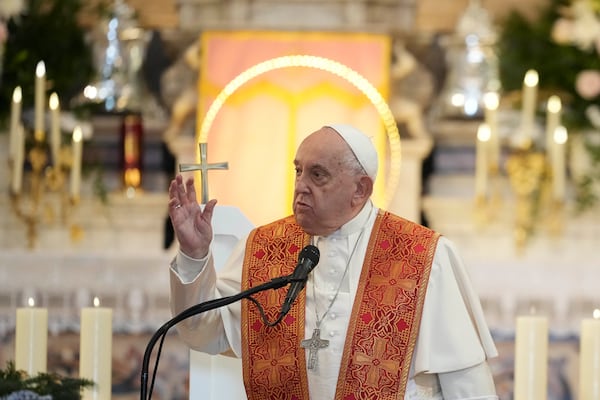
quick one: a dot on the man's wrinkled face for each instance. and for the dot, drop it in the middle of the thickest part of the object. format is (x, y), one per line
(324, 195)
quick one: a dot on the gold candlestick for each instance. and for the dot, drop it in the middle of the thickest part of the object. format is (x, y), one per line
(43, 180)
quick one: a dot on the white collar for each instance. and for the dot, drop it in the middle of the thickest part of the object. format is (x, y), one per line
(354, 225)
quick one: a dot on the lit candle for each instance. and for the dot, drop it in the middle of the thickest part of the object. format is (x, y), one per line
(531, 358)
(31, 340)
(40, 101)
(76, 165)
(491, 102)
(54, 105)
(553, 111)
(481, 160)
(95, 362)
(15, 121)
(589, 358)
(17, 172)
(558, 163)
(530, 83)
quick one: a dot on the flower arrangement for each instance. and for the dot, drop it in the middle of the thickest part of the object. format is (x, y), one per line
(563, 45)
(46, 30)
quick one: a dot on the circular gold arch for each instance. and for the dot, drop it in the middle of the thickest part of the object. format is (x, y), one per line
(336, 68)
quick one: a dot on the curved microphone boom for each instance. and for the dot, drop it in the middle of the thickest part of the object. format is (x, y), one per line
(307, 261)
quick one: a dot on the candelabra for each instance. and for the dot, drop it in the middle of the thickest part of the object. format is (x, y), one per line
(46, 190)
(536, 181)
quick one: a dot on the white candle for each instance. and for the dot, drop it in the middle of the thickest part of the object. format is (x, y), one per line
(54, 105)
(531, 358)
(95, 362)
(589, 358)
(558, 163)
(553, 116)
(17, 172)
(530, 84)
(31, 342)
(482, 160)
(40, 101)
(76, 165)
(491, 102)
(15, 121)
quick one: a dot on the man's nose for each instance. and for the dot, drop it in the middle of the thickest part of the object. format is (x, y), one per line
(300, 185)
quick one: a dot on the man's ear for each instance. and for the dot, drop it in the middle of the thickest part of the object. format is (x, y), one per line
(364, 189)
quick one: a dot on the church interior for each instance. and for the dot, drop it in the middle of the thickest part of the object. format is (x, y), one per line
(485, 114)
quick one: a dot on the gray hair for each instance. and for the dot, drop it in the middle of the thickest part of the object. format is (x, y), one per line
(354, 166)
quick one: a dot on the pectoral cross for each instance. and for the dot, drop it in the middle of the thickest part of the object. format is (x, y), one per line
(203, 167)
(314, 344)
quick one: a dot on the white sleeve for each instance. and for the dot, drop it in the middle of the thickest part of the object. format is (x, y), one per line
(453, 334)
(195, 281)
(473, 383)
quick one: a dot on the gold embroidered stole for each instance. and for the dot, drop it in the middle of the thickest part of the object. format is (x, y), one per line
(273, 365)
(383, 327)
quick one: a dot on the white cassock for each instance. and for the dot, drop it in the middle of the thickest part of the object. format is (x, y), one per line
(454, 342)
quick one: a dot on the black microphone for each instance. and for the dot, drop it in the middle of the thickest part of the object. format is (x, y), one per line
(307, 261)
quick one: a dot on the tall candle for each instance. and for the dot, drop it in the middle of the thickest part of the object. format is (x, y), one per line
(95, 360)
(553, 116)
(481, 160)
(54, 105)
(40, 101)
(17, 172)
(76, 165)
(589, 358)
(15, 121)
(531, 358)
(530, 84)
(491, 102)
(558, 163)
(31, 340)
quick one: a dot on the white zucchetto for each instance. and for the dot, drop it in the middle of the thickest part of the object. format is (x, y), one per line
(361, 145)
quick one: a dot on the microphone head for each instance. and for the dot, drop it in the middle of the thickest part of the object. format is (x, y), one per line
(312, 253)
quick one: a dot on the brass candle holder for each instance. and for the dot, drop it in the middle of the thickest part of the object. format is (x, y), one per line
(43, 180)
(526, 169)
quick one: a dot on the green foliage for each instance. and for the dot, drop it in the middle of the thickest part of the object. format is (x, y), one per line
(48, 31)
(524, 44)
(63, 388)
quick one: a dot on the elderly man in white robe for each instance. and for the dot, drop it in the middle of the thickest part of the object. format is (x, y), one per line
(389, 312)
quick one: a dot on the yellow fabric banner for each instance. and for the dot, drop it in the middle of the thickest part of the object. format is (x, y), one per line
(270, 110)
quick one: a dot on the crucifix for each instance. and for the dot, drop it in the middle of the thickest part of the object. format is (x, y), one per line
(203, 167)
(314, 344)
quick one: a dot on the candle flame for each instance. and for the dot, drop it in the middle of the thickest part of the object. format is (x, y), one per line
(554, 104)
(596, 313)
(484, 133)
(40, 69)
(53, 102)
(560, 135)
(17, 95)
(96, 302)
(531, 78)
(491, 100)
(31, 302)
(77, 134)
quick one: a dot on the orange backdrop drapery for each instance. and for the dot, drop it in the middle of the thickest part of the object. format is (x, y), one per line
(260, 125)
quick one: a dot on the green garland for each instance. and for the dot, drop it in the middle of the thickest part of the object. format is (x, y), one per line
(59, 387)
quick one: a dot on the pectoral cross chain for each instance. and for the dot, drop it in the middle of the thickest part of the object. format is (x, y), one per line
(314, 344)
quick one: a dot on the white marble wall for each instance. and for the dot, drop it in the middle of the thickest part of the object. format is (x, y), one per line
(379, 15)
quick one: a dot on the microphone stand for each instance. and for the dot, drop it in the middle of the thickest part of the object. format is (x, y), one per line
(275, 283)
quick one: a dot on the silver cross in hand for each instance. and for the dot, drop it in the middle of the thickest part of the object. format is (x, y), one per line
(203, 167)
(314, 344)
